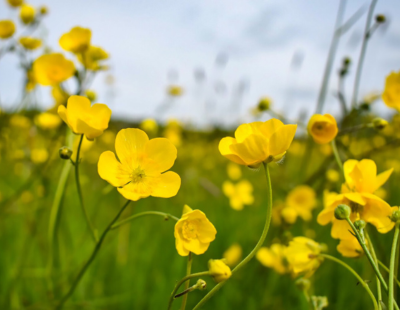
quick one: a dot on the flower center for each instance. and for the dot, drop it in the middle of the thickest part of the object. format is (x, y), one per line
(189, 230)
(137, 175)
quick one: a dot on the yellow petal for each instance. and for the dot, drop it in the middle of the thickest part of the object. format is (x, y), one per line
(377, 212)
(281, 139)
(62, 111)
(130, 145)
(186, 209)
(84, 128)
(111, 170)
(129, 192)
(253, 150)
(228, 188)
(100, 115)
(160, 155)
(348, 167)
(167, 185)
(225, 150)
(245, 130)
(350, 248)
(381, 179)
(269, 127)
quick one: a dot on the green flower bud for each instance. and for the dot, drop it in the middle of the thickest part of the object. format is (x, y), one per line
(342, 212)
(395, 217)
(65, 152)
(201, 285)
(379, 123)
(303, 284)
(264, 104)
(380, 18)
(346, 61)
(360, 224)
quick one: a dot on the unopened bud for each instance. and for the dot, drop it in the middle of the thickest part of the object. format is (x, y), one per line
(395, 217)
(380, 18)
(201, 285)
(303, 284)
(360, 224)
(342, 212)
(379, 123)
(264, 104)
(65, 152)
(346, 61)
(43, 10)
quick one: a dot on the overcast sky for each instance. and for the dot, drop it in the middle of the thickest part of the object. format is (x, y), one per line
(243, 48)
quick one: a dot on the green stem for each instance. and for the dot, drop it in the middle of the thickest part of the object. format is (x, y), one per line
(188, 271)
(131, 218)
(387, 270)
(256, 248)
(365, 285)
(91, 258)
(391, 267)
(378, 283)
(177, 286)
(337, 157)
(78, 186)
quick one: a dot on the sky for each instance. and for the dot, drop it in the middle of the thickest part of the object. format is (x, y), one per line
(225, 54)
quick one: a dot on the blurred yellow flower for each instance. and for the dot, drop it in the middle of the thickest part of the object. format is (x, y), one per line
(219, 270)
(20, 121)
(92, 56)
(322, 128)
(30, 43)
(174, 91)
(233, 254)
(77, 40)
(303, 200)
(39, 156)
(391, 94)
(47, 120)
(43, 10)
(332, 175)
(15, 3)
(51, 69)
(91, 95)
(239, 194)
(60, 97)
(274, 257)
(83, 118)
(264, 104)
(350, 247)
(193, 232)
(7, 29)
(234, 171)
(139, 173)
(150, 126)
(302, 255)
(258, 142)
(289, 215)
(27, 13)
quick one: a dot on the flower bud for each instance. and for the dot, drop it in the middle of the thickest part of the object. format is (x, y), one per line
(303, 284)
(219, 270)
(264, 104)
(43, 10)
(379, 123)
(380, 18)
(360, 224)
(395, 217)
(346, 61)
(65, 152)
(200, 285)
(342, 212)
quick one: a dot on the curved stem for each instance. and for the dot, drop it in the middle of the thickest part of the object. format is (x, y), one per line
(378, 283)
(131, 218)
(387, 270)
(78, 186)
(365, 285)
(188, 277)
(256, 248)
(91, 258)
(188, 271)
(391, 267)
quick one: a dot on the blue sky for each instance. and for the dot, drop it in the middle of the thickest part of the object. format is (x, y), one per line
(155, 43)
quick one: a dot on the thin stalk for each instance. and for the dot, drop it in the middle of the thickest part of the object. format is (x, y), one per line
(91, 258)
(167, 216)
(360, 280)
(177, 286)
(337, 157)
(391, 266)
(256, 248)
(378, 283)
(362, 52)
(78, 187)
(387, 270)
(188, 271)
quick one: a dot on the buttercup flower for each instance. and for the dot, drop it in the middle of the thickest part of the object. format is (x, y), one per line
(52, 69)
(92, 56)
(139, 173)
(193, 232)
(15, 3)
(83, 118)
(233, 171)
(47, 120)
(302, 200)
(323, 128)
(274, 257)
(350, 247)
(77, 40)
(149, 125)
(303, 255)
(233, 254)
(391, 94)
(27, 13)
(7, 29)
(239, 194)
(257, 142)
(30, 43)
(219, 270)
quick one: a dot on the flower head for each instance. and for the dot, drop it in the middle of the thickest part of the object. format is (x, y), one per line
(83, 118)
(219, 270)
(77, 40)
(139, 173)
(149, 125)
(233, 254)
(15, 3)
(51, 69)
(303, 200)
(350, 247)
(239, 194)
(193, 232)
(30, 43)
(274, 257)
(27, 13)
(323, 128)
(7, 29)
(92, 56)
(391, 94)
(258, 142)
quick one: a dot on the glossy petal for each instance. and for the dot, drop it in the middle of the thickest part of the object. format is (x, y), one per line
(160, 155)
(111, 170)
(225, 150)
(167, 185)
(252, 150)
(130, 145)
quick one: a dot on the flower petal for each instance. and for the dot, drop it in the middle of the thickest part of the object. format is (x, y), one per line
(253, 150)
(281, 139)
(111, 170)
(129, 146)
(167, 185)
(225, 150)
(160, 155)
(269, 127)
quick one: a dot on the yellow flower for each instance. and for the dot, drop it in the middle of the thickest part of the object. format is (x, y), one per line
(139, 173)
(391, 94)
(233, 254)
(302, 199)
(323, 128)
(264, 104)
(51, 69)
(30, 43)
(258, 142)
(60, 96)
(219, 270)
(302, 255)
(77, 40)
(15, 3)
(7, 29)
(350, 247)
(193, 232)
(83, 118)
(92, 56)
(239, 194)
(39, 156)
(332, 175)
(149, 125)
(289, 215)
(27, 13)
(175, 91)
(20, 121)
(274, 258)
(234, 171)
(47, 120)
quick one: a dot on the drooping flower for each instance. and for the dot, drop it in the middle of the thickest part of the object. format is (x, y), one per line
(7, 29)
(219, 270)
(139, 171)
(193, 232)
(77, 40)
(92, 57)
(239, 194)
(258, 142)
(30, 43)
(302, 255)
(274, 257)
(233, 254)
(323, 128)
(302, 199)
(52, 69)
(83, 118)
(27, 13)
(391, 94)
